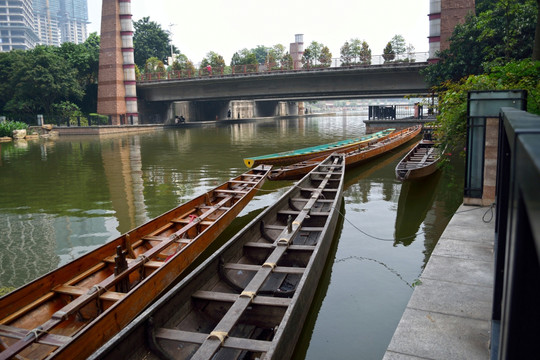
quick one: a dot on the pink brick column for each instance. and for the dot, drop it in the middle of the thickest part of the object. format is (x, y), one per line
(116, 80)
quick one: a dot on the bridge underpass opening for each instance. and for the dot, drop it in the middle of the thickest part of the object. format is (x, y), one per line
(266, 108)
(210, 110)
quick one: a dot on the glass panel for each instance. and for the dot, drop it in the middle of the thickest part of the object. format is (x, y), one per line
(475, 158)
(489, 103)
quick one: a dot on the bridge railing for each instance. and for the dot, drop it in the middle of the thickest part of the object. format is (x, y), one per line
(257, 69)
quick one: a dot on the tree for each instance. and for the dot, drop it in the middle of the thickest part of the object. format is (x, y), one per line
(365, 54)
(9, 61)
(355, 48)
(84, 58)
(451, 123)
(154, 65)
(244, 57)
(67, 111)
(536, 48)
(276, 54)
(346, 54)
(261, 52)
(388, 53)
(398, 45)
(213, 59)
(182, 63)
(410, 53)
(150, 40)
(325, 58)
(287, 61)
(502, 32)
(40, 78)
(89, 101)
(312, 54)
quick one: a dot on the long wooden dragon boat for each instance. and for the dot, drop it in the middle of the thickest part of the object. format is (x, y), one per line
(72, 311)
(251, 297)
(353, 156)
(421, 161)
(294, 156)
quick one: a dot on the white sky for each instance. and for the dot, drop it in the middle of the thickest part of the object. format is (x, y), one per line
(229, 26)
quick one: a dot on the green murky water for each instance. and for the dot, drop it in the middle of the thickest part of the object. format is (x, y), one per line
(61, 198)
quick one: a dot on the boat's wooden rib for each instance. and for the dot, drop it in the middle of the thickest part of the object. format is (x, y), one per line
(46, 339)
(276, 269)
(421, 161)
(72, 311)
(226, 297)
(196, 338)
(294, 156)
(353, 156)
(251, 297)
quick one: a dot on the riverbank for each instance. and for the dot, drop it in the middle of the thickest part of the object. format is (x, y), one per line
(448, 315)
(103, 130)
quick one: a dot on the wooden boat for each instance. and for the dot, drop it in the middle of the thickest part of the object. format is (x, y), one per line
(421, 161)
(251, 297)
(353, 156)
(70, 312)
(294, 156)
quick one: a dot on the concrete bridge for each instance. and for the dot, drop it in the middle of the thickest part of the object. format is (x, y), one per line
(274, 93)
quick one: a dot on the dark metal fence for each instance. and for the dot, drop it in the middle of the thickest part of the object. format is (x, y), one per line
(393, 112)
(516, 303)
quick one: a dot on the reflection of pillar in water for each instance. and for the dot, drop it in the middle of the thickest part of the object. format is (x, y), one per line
(122, 165)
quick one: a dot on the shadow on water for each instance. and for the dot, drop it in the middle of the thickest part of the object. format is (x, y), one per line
(415, 200)
(303, 343)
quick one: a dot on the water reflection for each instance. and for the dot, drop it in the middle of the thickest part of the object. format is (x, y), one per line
(415, 199)
(122, 166)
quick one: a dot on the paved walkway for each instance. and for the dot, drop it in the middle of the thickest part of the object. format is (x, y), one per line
(448, 315)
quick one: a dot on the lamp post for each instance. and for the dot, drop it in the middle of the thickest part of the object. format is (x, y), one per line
(170, 34)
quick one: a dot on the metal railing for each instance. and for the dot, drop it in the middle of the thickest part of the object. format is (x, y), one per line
(516, 311)
(394, 112)
(258, 69)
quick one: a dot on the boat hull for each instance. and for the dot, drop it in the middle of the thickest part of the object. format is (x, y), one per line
(294, 156)
(83, 324)
(353, 156)
(194, 314)
(423, 160)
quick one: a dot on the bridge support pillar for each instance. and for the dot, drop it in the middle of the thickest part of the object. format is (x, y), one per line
(293, 108)
(242, 109)
(283, 108)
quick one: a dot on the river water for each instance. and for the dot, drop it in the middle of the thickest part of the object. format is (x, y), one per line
(62, 198)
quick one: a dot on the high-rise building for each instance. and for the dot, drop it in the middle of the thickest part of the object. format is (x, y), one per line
(26, 23)
(17, 25)
(59, 21)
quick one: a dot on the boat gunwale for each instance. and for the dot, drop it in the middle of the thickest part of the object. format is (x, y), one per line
(290, 156)
(161, 304)
(298, 169)
(205, 235)
(424, 168)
